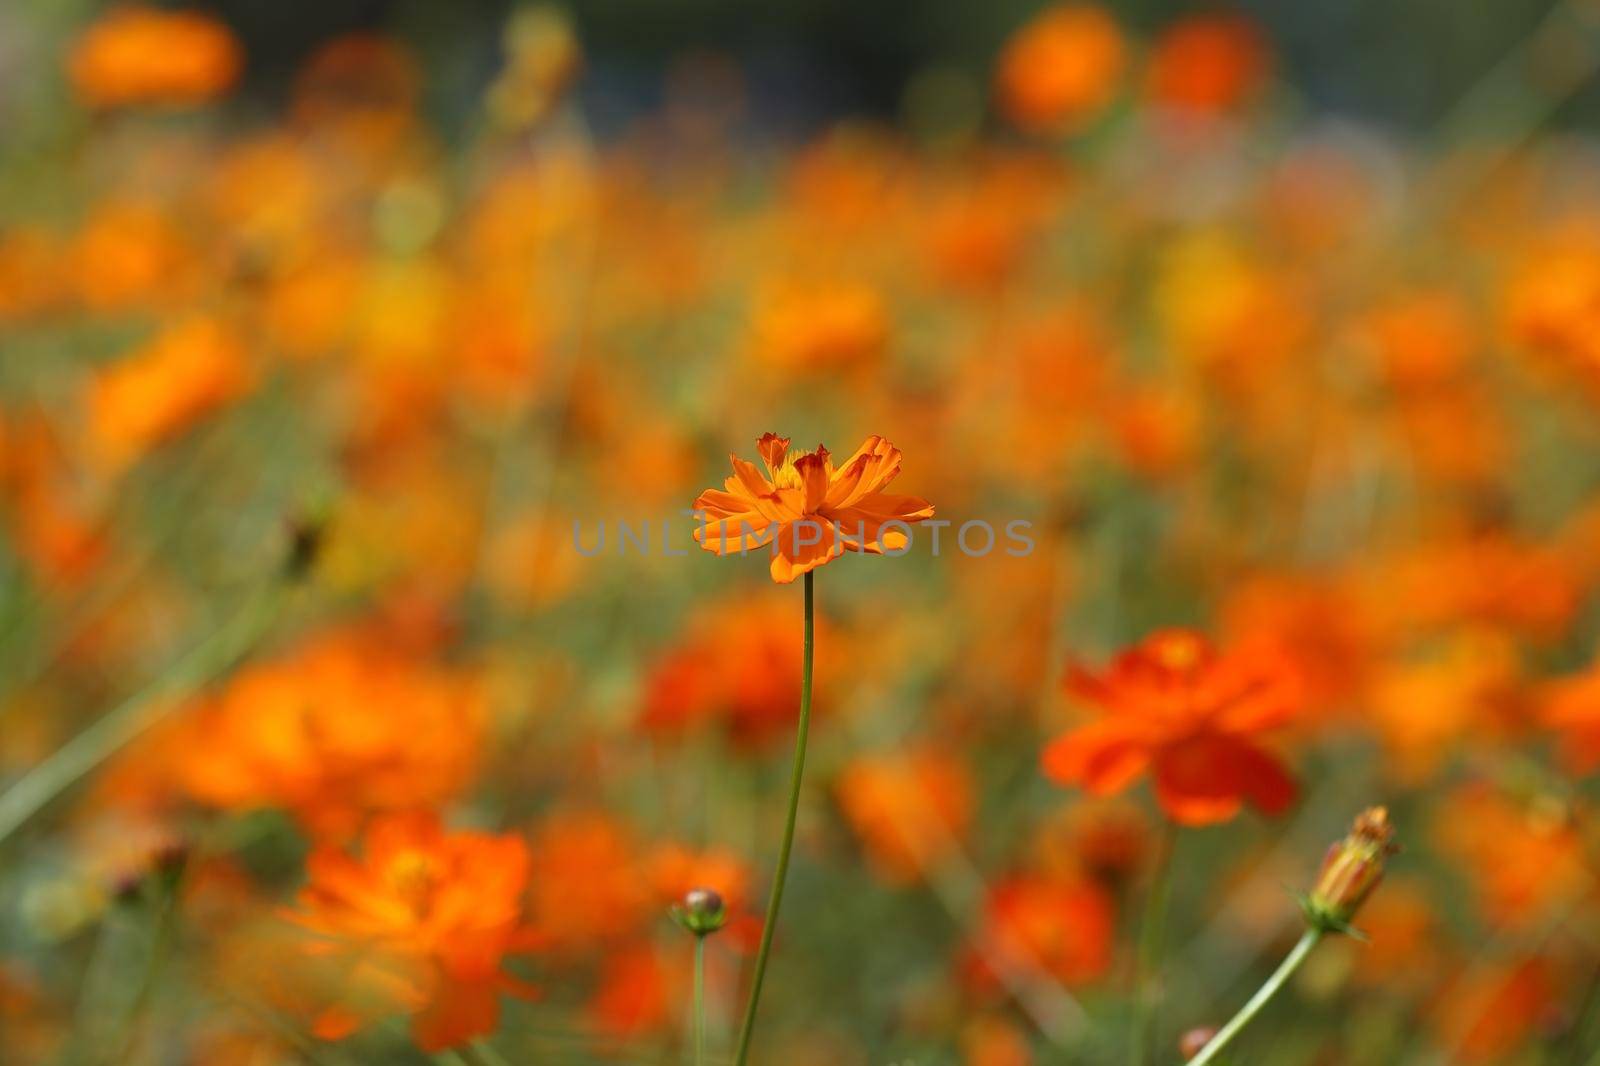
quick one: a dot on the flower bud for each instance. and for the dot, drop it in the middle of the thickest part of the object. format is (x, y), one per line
(1195, 1040)
(1350, 871)
(702, 911)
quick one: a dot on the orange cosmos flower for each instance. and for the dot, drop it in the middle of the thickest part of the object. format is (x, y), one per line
(1208, 63)
(1572, 708)
(1065, 925)
(1176, 706)
(334, 731)
(435, 911)
(1061, 69)
(143, 55)
(907, 808)
(807, 510)
(735, 670)
(188, 371)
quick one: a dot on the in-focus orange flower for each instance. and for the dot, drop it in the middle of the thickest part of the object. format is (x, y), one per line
(144, 55)
(436, 911)
(1177, 707)
(806, 509)
(1208, 63)
(188, 371)
(1060, 70)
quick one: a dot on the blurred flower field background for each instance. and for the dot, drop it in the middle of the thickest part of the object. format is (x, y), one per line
(366, 698)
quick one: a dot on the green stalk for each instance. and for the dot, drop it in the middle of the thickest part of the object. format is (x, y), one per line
(1285, 970)
(485, 1052)
(699, 1001)
(113, 730)
(1152, 927)
(776, 899)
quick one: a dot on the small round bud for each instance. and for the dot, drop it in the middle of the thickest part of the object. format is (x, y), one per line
(1195, 1040)
(307, 534)
(701, 912)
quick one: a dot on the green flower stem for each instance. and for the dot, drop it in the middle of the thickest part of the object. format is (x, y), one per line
(699, 1001)
(776, 899)
(1152, 928)
(207, 660)
(1285, 970)
(484, 1052)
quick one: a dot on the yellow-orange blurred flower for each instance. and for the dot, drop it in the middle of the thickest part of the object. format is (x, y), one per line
(437, 910)
(806, 509)
(1060, 70)
(144, 55)
(820, 328)
(1552, 305)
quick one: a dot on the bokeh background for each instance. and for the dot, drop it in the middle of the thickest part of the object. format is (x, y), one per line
(330, 332)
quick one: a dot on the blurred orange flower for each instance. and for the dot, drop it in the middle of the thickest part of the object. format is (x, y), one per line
(596, 851)
(1572, 709)
(1177, 707)
(188, 371)
(437, 910)
(1208, 63)
(144, 55)
(1065, 925)
(736, 668)
(340, 728)
(129, 254)
(1552, 304)
(1525, 857)
(820, 327)
(908, 808)
(809, 511)
(1061, 70)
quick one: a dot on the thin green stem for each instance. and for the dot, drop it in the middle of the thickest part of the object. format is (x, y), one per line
(117, 727)
(486, 1053)
(1151, 936)
(1285, 970)
(776, 899)
(699, 1001)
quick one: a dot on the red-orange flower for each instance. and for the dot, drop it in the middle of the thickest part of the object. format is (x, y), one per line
(431, 914)
(1067, 926)
(1208, 63)
(1177, 707)
(808, 510)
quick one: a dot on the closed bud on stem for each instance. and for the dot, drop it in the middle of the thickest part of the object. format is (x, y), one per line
(701, 912)
(1195, 1040)
(1350, 871)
